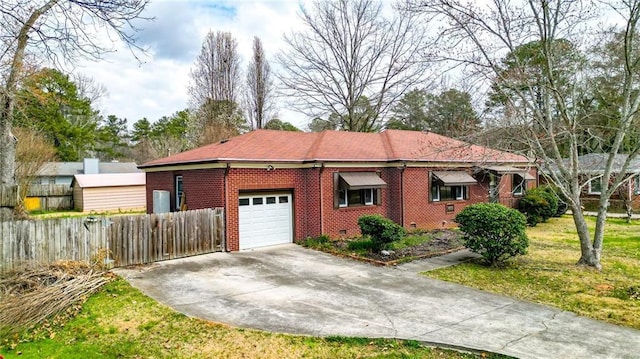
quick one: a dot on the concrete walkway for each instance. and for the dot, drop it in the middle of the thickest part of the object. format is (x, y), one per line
(290, 289)
(609, 214)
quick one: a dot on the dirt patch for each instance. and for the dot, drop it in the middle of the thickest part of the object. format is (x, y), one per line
(442, 241)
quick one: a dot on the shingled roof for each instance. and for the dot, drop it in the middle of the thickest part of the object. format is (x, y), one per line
(338, 146)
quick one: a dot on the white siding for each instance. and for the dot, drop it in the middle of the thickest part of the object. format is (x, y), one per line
(110, 198)
(77, 197)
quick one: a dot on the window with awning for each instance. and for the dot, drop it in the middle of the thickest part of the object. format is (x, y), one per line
(361, 180)
(454, 178)
(450, 185)
(357, 189)
(501, 170)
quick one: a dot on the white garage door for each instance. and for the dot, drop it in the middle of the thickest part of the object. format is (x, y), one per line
(265, 220)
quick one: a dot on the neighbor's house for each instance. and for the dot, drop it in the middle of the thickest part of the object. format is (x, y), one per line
(279, 186)
(63, 172)
(51, 187)
(109, 192)
(591, 169)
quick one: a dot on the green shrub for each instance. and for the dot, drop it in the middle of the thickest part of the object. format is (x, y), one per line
(561, 200)
(539, 204)
(494, 231)
(382, 231)
(552, 197)
(533, 206)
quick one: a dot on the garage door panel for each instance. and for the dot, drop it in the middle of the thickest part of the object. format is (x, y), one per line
(265, 220)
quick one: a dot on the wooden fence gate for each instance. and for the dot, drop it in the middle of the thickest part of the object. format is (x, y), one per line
(117, 240)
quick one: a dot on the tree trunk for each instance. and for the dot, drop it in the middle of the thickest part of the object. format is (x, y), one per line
(590, 254)
(7, 155)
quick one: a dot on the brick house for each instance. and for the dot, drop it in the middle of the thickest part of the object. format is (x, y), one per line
(590, 175)
(279, 186)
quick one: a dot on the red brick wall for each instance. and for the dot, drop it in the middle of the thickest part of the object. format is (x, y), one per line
(336, 220)
(393, 199)
(310, 210)
(505, 188)
(203, 188)
(299, 182)
(161, 181)
(421, 212)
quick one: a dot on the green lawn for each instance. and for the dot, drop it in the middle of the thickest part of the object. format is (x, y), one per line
(72, 213)
(548, 274)
(121, 322)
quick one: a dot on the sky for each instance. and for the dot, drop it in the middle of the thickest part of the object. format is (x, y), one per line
(157, 85)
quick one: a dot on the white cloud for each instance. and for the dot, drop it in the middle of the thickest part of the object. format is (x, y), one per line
(158, 86)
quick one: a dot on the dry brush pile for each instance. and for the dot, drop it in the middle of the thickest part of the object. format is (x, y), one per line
(31, 296)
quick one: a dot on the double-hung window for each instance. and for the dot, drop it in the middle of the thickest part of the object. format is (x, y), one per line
(450, 185)
(595, 185)
(357, 189)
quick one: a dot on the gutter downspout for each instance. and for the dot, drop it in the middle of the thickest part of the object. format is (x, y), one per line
(404, 166)
(226, 208)
(321, 198)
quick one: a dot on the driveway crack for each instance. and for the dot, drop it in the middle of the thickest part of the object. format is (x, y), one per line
(467, 319)
(543, 322)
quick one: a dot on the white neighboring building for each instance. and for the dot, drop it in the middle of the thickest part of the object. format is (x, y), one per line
(109, 192)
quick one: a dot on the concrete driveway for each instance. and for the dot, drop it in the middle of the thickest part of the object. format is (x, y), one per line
(290, 289)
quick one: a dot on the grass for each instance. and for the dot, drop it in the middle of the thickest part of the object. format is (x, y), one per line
(410, 241)
(40, 214)
(548, 274)
(121, 322)
(361, 246)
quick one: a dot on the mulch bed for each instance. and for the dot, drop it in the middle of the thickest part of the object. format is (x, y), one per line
(444, 241)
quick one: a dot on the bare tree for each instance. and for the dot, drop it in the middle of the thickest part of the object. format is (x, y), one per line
(259, 94)
(32, 151)
(88, 88)
(213, 91)
(547, 104)
(59, 31)
(347, 52)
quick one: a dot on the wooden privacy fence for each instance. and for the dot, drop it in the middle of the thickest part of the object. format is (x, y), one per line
(117, 240)
(43, 197)
(8, 196)
(49, 197)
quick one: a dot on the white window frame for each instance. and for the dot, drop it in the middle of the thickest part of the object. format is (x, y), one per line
(179, 179)
(590, 189)
(636, 185)
(344, 201)
(435, 198)
(460, 195)
(343, 195)
(368, 191)
(518, 189)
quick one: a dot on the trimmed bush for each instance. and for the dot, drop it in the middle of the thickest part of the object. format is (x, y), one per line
(494, 231)
(539, 204)
(381, 230)
(533, 206)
